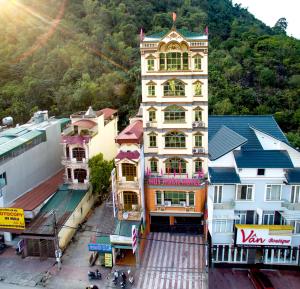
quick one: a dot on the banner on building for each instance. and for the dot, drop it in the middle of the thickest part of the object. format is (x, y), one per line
(264, 235)
(12, 218)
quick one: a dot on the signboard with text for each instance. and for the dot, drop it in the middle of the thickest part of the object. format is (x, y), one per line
(264, 235)
(175, 182)
(108, 260)
(100, 247)
(12, 218)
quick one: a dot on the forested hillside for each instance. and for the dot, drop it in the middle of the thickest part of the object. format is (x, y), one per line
(64, 55)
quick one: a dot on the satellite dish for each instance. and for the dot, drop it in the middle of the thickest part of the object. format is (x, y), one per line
(125, 215)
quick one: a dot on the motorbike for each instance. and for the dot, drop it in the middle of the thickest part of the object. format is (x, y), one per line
(116, 277)
(94, 275)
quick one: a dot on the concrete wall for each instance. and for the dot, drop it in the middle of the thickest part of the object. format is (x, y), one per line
(32, 167)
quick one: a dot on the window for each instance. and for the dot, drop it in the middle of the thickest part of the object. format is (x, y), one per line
(78, 153)
(198, 115)
(174, 114)
(223, 226)
(260, 172)
(244, 192)
(152, 140)
(176, 198)
(162, 61)
(241, 217)
(198, 88)
(152, 115)
(129, 171)
(295, 194)
(175, 165)
(3, 180)
(273, 193)
(158, 198)
(173, 61)
(174, 88)
(175, 140)
(296, 225)
(268, 218)
(198, 140)
(185, 61)
(218, 190)
(130, 198)
(191, 199)
(150, 64)
(151, 90)
(80, 175)
(197, 62)
(198, 166)
(153, 166)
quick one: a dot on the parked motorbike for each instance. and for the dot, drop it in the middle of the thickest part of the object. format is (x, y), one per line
(94, 275)
(115, 277)
(130, 278)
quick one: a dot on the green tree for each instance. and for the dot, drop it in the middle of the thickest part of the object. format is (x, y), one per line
(100, 171)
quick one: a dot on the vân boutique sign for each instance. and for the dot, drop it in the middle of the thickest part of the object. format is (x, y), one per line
(175, 182)
(264, 235)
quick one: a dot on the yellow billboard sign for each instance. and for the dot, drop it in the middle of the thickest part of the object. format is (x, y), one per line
(108, 260)
(12, 218)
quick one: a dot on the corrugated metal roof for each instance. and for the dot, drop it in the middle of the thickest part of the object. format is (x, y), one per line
(224, 141)
(220, 175)
(293, 176)
(20, 140)
(186, 34)
(242, 125)
(263, 159)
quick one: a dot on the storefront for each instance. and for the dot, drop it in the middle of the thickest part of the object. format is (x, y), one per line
(259, 244)
(102, 249)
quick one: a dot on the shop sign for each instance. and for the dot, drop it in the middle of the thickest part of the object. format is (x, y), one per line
(174, 182)
(108, 260)
(12, 218)
(264, 236)
(100, 247)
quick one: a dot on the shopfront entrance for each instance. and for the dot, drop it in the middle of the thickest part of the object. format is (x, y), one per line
(124, 256)
(176, 224)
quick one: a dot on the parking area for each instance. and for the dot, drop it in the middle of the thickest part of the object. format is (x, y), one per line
(173, 261)
(220, 278)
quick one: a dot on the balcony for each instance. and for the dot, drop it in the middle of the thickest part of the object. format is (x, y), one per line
(126, 183)
(225, 205)
(198, 124)
(199, 151)
(69, 161)
(291, 206)
(133, 215)
(151, 124)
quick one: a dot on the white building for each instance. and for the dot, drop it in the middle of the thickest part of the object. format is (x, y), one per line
(90, 133)
(253, 196)
(29, 154)
(174, 101)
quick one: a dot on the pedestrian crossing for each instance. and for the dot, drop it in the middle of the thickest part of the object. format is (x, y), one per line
(173, 261)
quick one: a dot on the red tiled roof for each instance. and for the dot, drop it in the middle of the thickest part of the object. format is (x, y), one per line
(133, 133)
(128, 155)
(85, 123)
(39, 194)
(107, 112)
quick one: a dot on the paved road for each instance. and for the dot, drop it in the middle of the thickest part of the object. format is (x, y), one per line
(173, 263)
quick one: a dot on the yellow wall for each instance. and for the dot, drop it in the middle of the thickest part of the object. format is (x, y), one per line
(65, 234)
(104, 141)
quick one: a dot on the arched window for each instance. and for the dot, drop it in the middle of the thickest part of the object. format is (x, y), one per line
(174, 114)
(197, 62)
(130, 199)
(152, 140)
(152, 114)
(153, 165)
(175, 140)
(198, 140)
(197, 88)
(174, 87)
(129, 171)
(175, 165)
(198, 114)
(80, 175)
(173, 61)
(78, 153)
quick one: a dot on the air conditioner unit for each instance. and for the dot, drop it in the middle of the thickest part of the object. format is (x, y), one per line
(201, 124)
(194, 124)
(194, 151)
(148, 124)
(182, 204)
(168, 203)
(201, 150)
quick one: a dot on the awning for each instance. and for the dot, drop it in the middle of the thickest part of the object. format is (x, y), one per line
(176, 214)
(122, 247)
(101, 244)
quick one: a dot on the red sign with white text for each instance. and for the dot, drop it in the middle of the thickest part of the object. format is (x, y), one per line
(263, 237)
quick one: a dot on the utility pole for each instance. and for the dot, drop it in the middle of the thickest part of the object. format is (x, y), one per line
(56, 241)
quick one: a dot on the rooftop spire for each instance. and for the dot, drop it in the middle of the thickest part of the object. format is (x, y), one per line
(174, 16)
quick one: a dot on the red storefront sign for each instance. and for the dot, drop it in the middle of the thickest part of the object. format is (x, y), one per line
(174, 182)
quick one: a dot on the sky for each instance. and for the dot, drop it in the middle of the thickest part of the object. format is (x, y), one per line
(269, 11)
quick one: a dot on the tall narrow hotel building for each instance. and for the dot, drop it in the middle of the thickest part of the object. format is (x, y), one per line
(175, 117)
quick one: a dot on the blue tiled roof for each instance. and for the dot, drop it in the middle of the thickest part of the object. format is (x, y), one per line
(293, 176)
(224, 141)
(223, 176)
(263, 159)
(242, 125)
